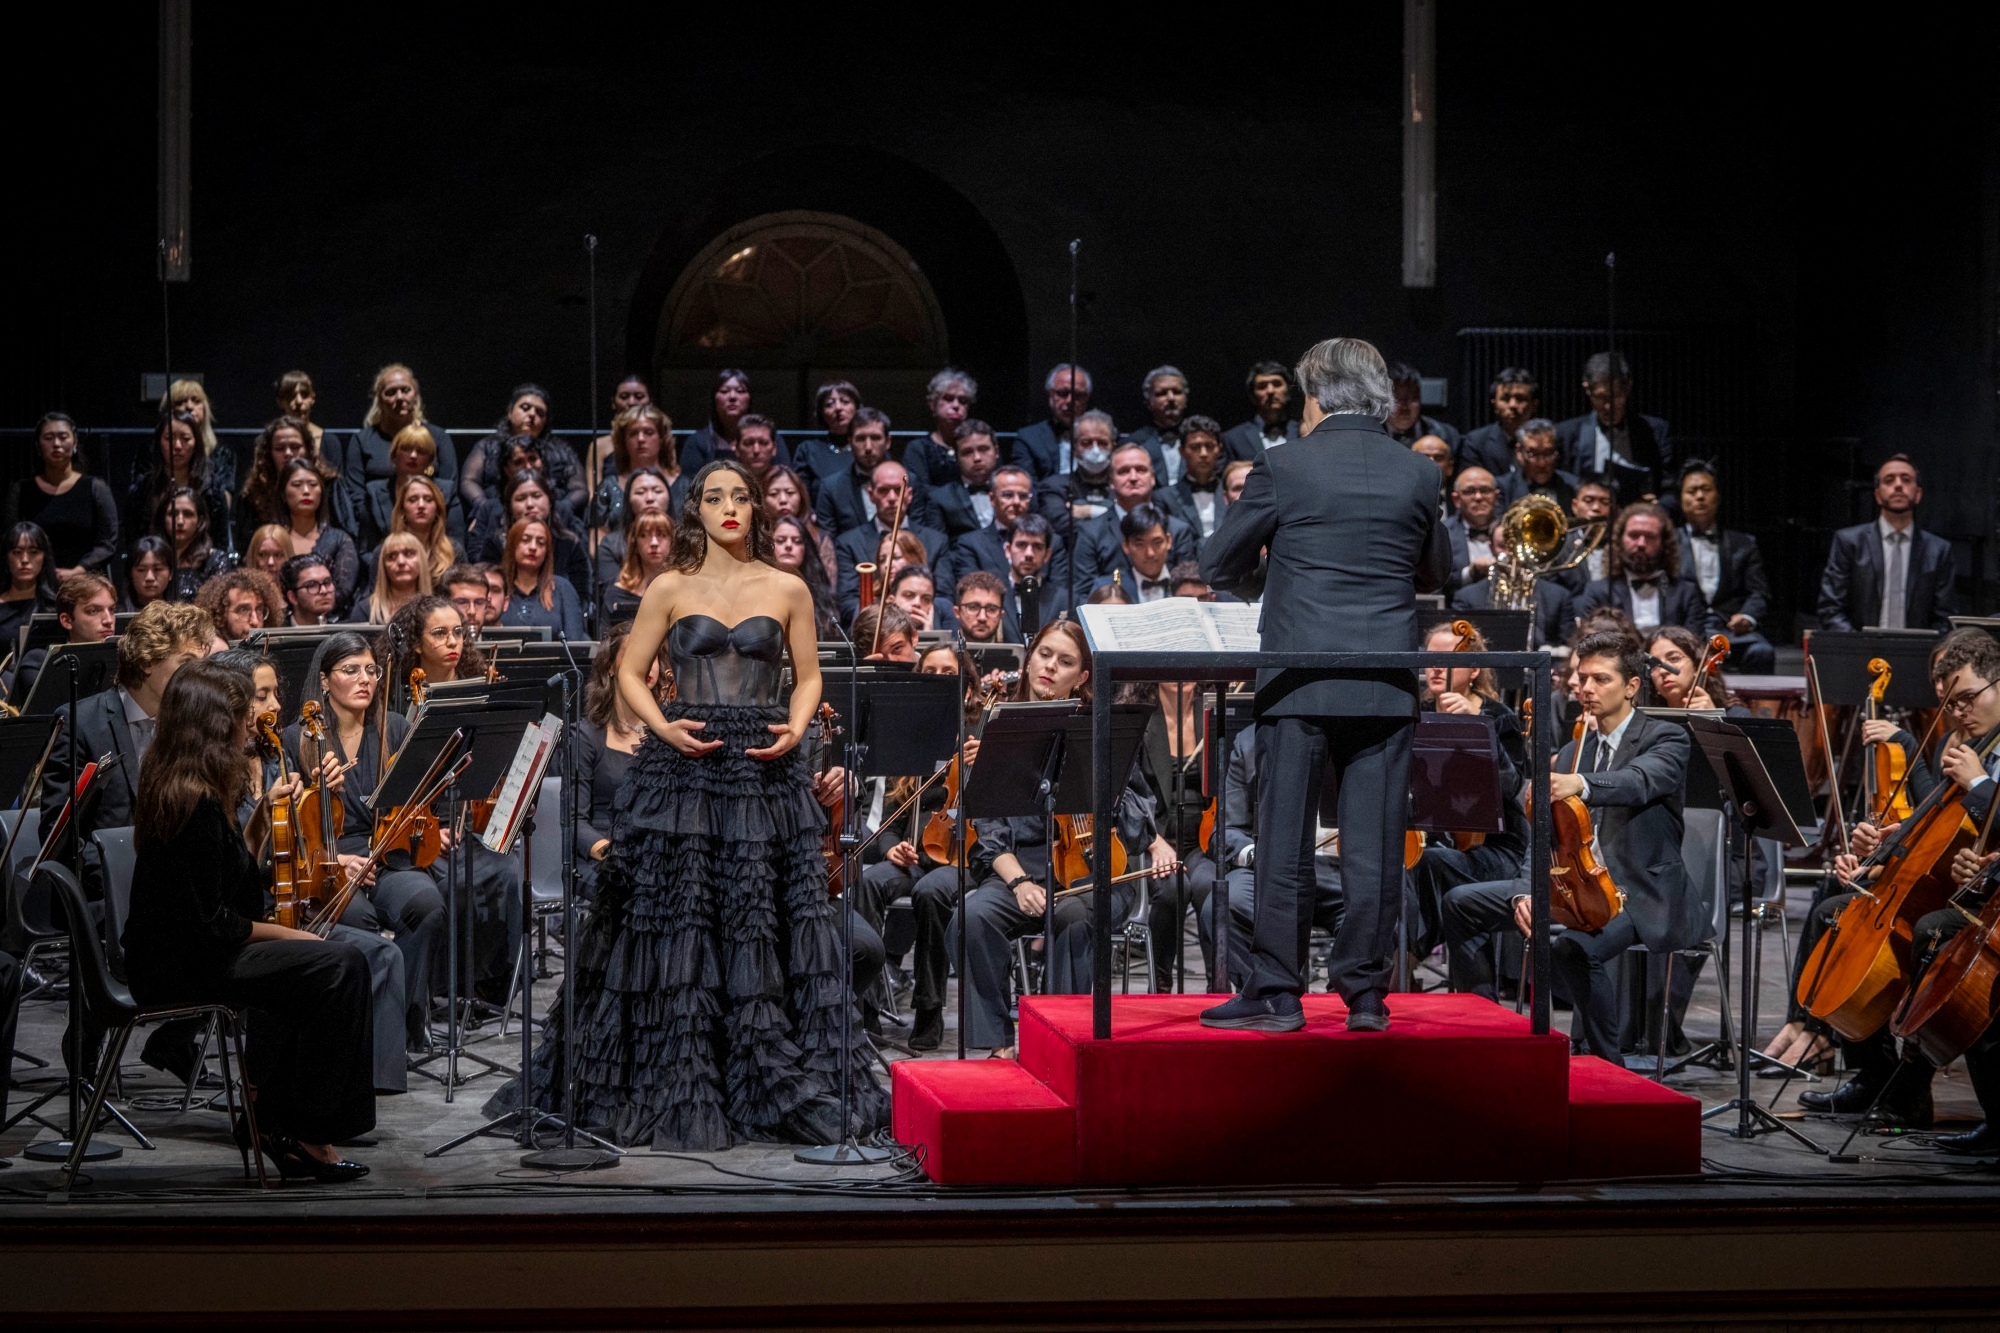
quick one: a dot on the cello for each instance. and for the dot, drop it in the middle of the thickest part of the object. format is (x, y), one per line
(1860, 968)
(1959, 996)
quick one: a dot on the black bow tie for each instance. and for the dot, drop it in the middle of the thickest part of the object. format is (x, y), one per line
(983, 488)
(1655, 580)
(1712, 536)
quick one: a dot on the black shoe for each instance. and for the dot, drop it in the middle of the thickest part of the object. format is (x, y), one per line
(176, 1060)
(1981, 1142)
(927, 1031)
(1368, 1013)
(295, 1163)
(1850, 1098)
(1277, 1013)
(1910, 1107)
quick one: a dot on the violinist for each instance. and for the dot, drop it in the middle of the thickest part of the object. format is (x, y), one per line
(1169, 767)
(1965, 671)
(194, 938)
(345, 682)
(1013, 855)
(606, 741)
(1676, 675)
(429, 633)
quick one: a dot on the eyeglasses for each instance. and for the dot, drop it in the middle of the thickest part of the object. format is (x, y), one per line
(1958, 703)
(358, 671)
(445, 634)
(316, 585)
(979, 608)
(1478, 490)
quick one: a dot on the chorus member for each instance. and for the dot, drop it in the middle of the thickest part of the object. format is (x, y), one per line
(263, 501)
(979, 603)
(268, 549)
(630, 396)
(312, 532)
(528, 498)
(793, 548)
(86, 609)
(1145, 546)
(345, 681)
(1198, 491)
(395, 402)
(787, 496)
(890, 492)
(648, 544)
(31, 582)
(1407, 421)
(1045, 448)
(309, 589)
(1350, 522)
(183, 521)
(610, 735)
(151, 575)
(1012, 893)
(521, 456)
(1271, 423)
(1728, 566)
(961, 500)
(239, 603)
(1592, 503)
(1233, 478)
(836, 406)
(642, 441)
(527, 415)
(1475, 498)
(886, 632)
(421, 512)
(201, 938)
(844, 500)
(1188, 582)
(402, 572)
(1516, 396)
(1554, 618)
(76, 509)
(1084, 492)
(1133, 487)
(728, 404)
(296, 399)
(1633, 452)
(1889, 574)
(1169, 768)
(1535, 470)
(536, 594)
(1643, 575)
(949, 397)
(187, 398)
(175, 461)
(496, 594)
(413, 454)
(1034, 597)
(1013, 491)
(647, 491)
(717, 853)
(1165, 393)
(464, 585)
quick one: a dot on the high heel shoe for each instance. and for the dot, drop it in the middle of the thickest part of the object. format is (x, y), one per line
(295, 1163)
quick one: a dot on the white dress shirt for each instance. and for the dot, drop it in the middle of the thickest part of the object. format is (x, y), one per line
(1707, 548)
(1645, 603)
(1607, 749)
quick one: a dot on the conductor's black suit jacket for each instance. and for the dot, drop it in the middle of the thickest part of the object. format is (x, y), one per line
(1351, 520)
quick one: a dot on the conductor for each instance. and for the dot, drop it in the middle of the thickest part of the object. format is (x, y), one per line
(1350, 521)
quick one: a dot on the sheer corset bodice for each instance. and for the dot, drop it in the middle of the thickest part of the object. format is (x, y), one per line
(739, 665)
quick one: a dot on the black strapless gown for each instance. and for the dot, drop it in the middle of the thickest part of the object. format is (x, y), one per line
(708, 978)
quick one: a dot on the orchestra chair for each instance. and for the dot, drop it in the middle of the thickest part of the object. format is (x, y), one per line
(1705, 853)
(108, 999)
(30, 930)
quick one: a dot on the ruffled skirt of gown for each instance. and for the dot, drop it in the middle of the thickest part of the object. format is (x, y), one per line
(708, 979)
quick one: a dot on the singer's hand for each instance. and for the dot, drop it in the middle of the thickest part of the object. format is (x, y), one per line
(680, 734)
(786, 739)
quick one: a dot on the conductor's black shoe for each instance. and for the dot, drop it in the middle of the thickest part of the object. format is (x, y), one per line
(927, 1031)
(1368, 1013)
(1981, 1142)
(1276, 1013)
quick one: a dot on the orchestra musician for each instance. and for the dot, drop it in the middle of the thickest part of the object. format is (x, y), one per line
(1169, 767)
(609, 735)
(201, 937)
(1933, 932)
(86, 608)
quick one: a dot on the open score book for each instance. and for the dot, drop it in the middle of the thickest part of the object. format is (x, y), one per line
(1173, 625)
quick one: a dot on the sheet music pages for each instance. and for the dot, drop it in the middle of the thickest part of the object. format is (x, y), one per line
(523, 783)
(1173, 625)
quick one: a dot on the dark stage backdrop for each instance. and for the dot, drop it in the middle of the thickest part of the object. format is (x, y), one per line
(374, 184)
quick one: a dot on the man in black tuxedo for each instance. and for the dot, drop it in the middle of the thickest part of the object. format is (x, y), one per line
(1407, 422)
(1165, 393)
(1643, 576)
(1043, 448)
(1591, 503)
(1516, 399)
(1269, 385)
(1350, 520)
(1889, 573)
(1028, 606)
(1534, 467)
(1632, 772)
(889, 491)
(1199, 493)
(1728, 567)
(963, 503)
(1100, 541)
(1142, 563)
(1471, 529)
(1631, 451)
(844, 501)
(1014, 496)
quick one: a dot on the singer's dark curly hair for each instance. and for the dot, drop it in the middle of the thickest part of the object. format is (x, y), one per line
(691, 538)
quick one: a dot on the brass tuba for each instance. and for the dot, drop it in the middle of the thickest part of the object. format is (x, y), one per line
(1535, 539)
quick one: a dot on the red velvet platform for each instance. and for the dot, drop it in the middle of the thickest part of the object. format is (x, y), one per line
(1458, 1089)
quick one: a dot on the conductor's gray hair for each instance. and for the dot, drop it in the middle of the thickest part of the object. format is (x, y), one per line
(1347, 375)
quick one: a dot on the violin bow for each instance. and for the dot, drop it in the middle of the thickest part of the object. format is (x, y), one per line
(1826, 744)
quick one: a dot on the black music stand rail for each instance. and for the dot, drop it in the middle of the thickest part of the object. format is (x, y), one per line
(1219, 669)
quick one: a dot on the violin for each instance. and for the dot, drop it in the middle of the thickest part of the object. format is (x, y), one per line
(939, 830)
(1960, 994)
(1070, 858)
(284, 834)
(1886, 797)
(344, 886)
(1860, 968)
(423, 837)
(318, 820)
(836, 814)
(1581, 894)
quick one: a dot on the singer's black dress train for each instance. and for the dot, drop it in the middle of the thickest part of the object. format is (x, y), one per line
(708, 989)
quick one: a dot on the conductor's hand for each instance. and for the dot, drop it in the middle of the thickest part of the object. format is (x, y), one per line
(903, 855)
(785, 738)
(358, 865)
(1562, 786)
(1031, 897)
(680, 733)
(1524, 914)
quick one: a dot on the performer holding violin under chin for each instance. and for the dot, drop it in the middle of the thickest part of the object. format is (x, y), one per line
(1629, 770)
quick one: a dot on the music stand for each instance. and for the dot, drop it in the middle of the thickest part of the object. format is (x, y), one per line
(1504, 631)
(96, 672)
(996, 656)
(45, 630)
(1746, 781)
(1455, 775)
(1843, 657)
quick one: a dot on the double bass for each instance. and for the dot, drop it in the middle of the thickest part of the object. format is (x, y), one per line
(1959, 997)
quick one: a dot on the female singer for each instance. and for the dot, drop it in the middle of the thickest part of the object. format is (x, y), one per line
(183, 521)
(1011, 898)
(31, 582)
(176, 461)
(402, 572)
(795, 550)
(717, 439)
(646, 492)
(151, 575)
(201, 937)
(398, 403)
(429, 632)
(422, 511)
(527, 418)
(263, 501)
(268, 549)
(536, 594)
(345, 680)
(74, 508)
(648, 542)
(310, 528)
(296, 398)
(708, 975)
(608, 738)
(189, 400)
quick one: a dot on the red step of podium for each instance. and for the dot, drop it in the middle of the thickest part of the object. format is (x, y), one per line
(1458, 1089)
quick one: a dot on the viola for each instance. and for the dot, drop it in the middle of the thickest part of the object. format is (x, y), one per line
(1860, 968)
(318, 820)
(1581, 893)
(836, 814)
(1884, 774)
(284, 834)
(423, 836)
